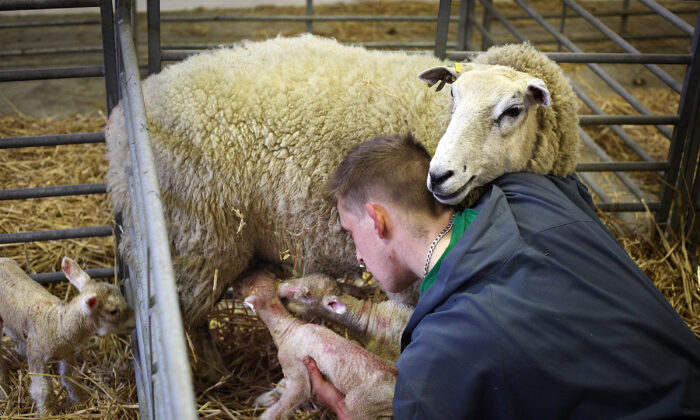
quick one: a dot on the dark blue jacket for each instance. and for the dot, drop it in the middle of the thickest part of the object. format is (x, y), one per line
(538, 313)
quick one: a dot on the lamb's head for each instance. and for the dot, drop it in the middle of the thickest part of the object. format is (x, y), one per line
(493, 128)
(308, 293)
(259, 289)
(101, 302)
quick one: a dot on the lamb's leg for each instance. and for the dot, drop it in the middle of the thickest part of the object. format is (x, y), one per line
(41, 388)
(270, 397)
(65, 369)
(371, 402)
(3, 370)
(298, 391)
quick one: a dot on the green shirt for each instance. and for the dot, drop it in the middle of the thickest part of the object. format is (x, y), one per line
(462, 220)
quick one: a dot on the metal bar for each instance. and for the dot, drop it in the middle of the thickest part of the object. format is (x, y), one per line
(620, 42)
(54, 235)
(304, 18)
(486, 24)
(629, 141)
(493, 11)
(52, 140)
(46, 23)
(53, 191)
(621, 166)
(664, 13)
(627, 207)
(612, 13)
(53, 73)
(441, 31)
(686, 112)
(173, 362)
(309, 12)
(623, 177)
(46, 4)
(59, 277)
(110, 54)
(464, 30)
(562, 24)
(624, 18)
(484, 33)
(42, 51)
(628, 119)
(614, 58)
(614, 85)
(597, 189)
(155, 55)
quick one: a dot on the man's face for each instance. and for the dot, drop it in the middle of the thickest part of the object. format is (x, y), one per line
(374, 251)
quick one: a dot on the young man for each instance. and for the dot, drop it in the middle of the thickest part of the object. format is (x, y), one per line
(532, 310)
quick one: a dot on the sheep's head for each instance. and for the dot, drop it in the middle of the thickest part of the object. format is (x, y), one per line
(493, 127)
(102, 302)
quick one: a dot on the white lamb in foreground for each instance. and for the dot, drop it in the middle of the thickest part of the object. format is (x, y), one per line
(366, 380)
(47, 329)
(244, 139)
(376, 325)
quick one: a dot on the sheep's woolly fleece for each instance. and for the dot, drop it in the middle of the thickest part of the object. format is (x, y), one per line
(245, 137)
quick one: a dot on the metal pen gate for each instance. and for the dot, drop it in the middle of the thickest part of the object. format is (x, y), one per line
(162, 368)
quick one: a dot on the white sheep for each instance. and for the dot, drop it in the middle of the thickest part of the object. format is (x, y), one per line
(376, 325)
(244, 139)
(46, 329)
(501, 122)
(366, 380)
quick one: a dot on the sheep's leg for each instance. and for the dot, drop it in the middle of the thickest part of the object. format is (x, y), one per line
(41, 387)
(271, 397)
(3, 370)
(65, 369)
(298, 390)
(208, 359)
(371, 402)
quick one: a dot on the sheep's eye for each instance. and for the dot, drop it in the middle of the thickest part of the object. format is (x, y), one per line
(511, 112)
(114, 312)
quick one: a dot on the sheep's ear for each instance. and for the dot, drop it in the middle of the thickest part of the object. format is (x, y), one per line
(252, 302)
(334, 305)
(537, 92)
(88, 303)
(75, 274)
(442, 74)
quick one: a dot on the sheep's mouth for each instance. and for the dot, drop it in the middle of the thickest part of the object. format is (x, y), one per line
(449, 197)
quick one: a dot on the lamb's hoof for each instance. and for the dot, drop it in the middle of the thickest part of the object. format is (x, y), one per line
(271, 397)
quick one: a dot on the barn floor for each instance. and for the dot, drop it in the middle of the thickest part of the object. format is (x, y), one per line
(74, 105)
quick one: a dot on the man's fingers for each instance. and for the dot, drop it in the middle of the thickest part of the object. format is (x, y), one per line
(314, 373)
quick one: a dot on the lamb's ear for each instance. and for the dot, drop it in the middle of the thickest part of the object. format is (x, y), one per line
(537, 92)
(442, 74)
(88, 303)
(75, 274)
(252, 302)
(334, 305)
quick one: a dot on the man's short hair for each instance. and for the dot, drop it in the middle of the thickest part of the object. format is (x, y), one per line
(393, 167)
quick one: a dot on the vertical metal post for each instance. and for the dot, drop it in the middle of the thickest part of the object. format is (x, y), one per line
(154, 47)
(683, 132)
(624, 17)
(309, 12)
(110, 54)
(443, 24)
(486, 23)
(562, 25)
(464, 32)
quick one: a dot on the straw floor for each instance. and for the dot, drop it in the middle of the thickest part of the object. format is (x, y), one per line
(105, 364)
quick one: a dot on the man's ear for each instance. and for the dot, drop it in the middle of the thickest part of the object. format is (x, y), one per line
(378, 216)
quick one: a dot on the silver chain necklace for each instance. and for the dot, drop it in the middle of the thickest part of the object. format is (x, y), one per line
(435, 242)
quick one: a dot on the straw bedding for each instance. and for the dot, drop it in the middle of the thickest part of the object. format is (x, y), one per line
(251, 363)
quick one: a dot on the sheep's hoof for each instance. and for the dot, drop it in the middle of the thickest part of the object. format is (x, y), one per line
(268, 398)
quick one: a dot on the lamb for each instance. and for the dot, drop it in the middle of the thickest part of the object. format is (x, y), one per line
(366, 380)
(46, 329)
(377, 325)
(244, 138)
(501, 121)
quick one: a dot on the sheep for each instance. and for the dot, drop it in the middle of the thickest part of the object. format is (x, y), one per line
(378, 325)
(366, 380)
(244, 138)
(46, 329)
(502, 121)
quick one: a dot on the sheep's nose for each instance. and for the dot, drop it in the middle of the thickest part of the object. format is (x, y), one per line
(437, 179)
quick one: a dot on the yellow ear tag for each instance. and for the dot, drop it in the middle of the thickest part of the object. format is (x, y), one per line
(458, 68)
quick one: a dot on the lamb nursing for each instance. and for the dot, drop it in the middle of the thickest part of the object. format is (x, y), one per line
(245, 137)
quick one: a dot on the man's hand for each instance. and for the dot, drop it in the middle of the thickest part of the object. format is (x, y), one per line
(325, 391)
